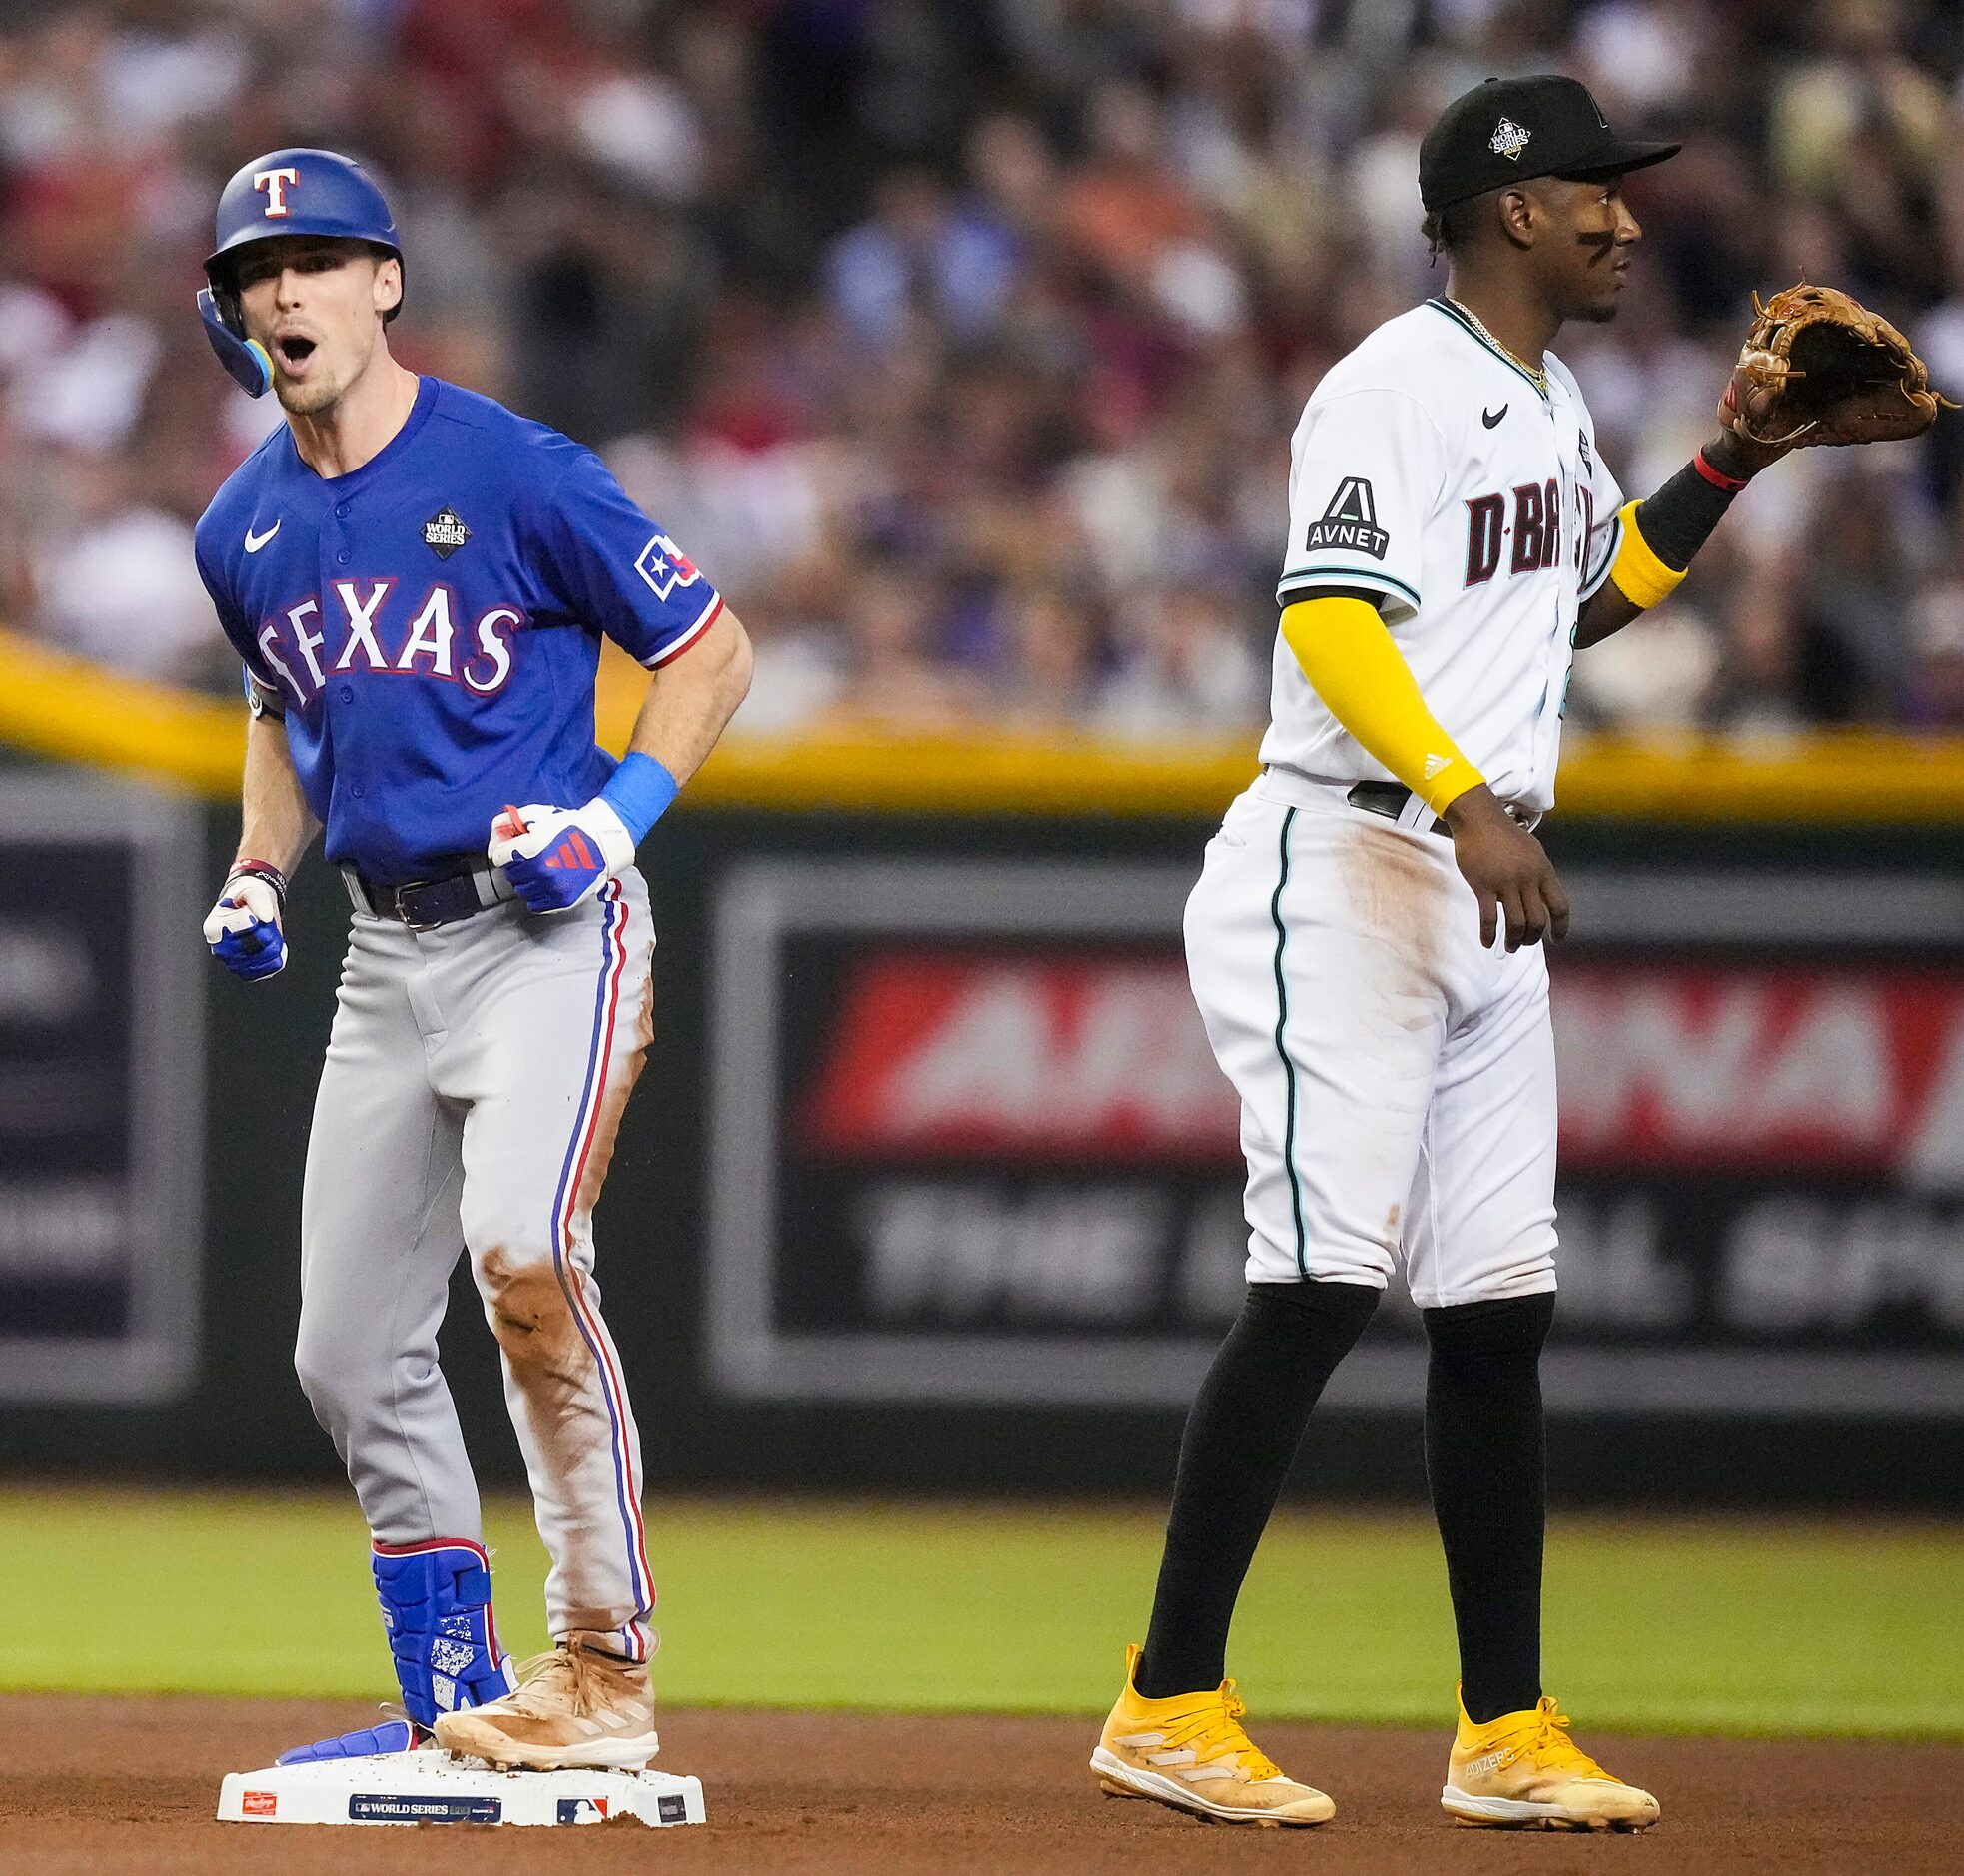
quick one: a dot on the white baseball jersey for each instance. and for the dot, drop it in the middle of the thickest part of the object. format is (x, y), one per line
(1432, 472)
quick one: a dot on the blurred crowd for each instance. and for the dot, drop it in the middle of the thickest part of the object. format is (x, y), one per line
(960, 341)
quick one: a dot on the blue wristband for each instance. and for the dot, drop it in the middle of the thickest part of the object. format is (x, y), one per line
(639, 793)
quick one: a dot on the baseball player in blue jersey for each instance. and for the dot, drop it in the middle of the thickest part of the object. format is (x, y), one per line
(418, 582)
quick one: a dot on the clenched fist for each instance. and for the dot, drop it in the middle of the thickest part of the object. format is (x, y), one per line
(557, 858)
(244, 927)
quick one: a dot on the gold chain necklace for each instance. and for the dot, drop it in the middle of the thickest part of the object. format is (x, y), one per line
(1539, 374)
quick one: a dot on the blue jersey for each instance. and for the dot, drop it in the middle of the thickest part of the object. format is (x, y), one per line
(429, 625)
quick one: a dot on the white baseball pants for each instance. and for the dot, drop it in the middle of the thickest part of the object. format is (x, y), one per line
(1397, 1080)
(473, 1082)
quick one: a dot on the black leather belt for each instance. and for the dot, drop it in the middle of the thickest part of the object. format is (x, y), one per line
(1389, 799)
(424, 904)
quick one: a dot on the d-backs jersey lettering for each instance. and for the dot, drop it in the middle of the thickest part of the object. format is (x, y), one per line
(1433, 472)
(429, 625)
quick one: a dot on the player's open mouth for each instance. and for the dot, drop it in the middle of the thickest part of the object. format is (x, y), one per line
(293, 350)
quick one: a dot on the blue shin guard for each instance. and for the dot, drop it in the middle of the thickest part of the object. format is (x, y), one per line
(396, 1735)
(436, 1608)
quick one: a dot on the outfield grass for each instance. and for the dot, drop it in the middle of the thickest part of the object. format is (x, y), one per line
(1722, 1625)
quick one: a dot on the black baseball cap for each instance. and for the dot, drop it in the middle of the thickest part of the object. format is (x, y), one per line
(1510, 129)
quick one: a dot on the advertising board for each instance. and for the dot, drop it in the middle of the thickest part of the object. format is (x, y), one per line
(101, 1079)
(969, 1145)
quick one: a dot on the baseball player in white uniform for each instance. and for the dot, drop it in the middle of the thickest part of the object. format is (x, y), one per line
(1365, 945)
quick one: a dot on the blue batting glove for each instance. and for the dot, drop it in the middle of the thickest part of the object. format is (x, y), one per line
(557, 858)
(242, 928)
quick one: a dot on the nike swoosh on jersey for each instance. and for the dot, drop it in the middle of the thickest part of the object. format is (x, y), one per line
(256, 542)
(1490, 418)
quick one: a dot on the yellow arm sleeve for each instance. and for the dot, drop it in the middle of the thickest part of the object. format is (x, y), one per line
(1350, 659)
(1638, 573)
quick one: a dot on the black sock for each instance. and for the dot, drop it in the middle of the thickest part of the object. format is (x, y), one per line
(1487, 1459)
(1242, 1434)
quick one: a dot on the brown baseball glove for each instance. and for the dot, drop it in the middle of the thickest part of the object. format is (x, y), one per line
(1819, 368)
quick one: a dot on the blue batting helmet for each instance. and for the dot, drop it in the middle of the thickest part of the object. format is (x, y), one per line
(286, 192)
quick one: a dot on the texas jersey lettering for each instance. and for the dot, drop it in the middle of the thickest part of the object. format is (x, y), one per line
(429, 625)
(1432, 473)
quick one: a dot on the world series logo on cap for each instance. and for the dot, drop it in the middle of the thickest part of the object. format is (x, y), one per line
(1508, 139)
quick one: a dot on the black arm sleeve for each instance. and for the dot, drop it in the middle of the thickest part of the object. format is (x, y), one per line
(1678, 521)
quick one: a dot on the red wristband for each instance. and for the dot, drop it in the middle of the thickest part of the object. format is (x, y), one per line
(260, 869)
(1718, 479)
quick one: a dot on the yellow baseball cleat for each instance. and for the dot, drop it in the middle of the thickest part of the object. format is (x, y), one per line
(1189, 1751)
(1522, 1772)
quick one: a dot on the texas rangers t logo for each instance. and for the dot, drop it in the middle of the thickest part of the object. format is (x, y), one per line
(274, 182)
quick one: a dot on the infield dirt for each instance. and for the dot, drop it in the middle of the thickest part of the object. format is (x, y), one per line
(100, 1786)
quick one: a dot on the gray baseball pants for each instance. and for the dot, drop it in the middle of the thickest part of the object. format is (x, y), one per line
(473, 1084)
